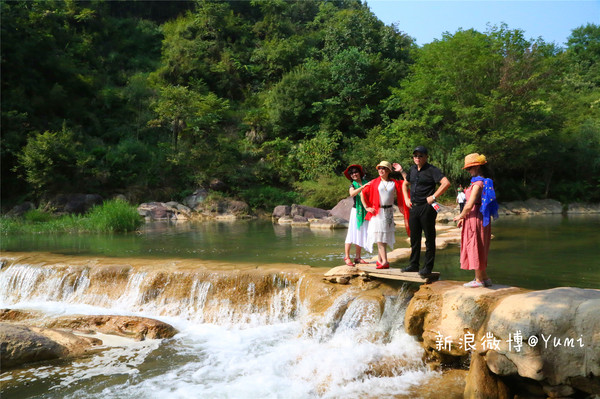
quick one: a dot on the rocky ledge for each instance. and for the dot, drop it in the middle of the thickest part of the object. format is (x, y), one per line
(518, 342)
(28, 337)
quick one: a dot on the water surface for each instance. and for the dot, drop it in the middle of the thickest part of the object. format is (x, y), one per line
(534, 252)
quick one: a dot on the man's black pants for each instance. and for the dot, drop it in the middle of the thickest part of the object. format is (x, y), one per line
(422, 220)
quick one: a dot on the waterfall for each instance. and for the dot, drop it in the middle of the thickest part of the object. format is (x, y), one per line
(244, 331)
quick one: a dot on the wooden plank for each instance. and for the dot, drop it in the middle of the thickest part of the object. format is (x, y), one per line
(398, 274)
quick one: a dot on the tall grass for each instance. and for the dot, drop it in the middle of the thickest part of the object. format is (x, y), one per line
(112, 216)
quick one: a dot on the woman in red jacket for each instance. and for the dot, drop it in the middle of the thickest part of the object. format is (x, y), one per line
(379, 198)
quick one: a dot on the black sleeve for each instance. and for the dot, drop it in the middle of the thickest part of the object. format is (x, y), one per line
(437, 174)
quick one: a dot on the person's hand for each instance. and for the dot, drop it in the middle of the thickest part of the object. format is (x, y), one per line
(459, 221)
(369, 209)
(397, 167)
(408, 203)
(430, 200)
(367, 183)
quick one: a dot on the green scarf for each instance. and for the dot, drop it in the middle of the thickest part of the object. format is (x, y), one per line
(361, 212)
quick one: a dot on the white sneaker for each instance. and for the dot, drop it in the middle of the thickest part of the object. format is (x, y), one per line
(473, 284)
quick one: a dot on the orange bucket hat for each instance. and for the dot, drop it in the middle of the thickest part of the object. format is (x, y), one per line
(474, 159)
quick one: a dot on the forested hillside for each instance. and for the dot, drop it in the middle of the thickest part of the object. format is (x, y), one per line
(152, 99)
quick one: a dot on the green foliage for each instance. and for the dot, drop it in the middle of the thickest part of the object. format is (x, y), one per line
(316, 156)
(113, 216)
(324, 192)
(36, 216)
(50, 160)
(268, 197)
(162, 97)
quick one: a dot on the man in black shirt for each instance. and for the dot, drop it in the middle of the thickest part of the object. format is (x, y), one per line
(423, 179)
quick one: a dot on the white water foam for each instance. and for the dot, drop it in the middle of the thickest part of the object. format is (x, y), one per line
(354, 350)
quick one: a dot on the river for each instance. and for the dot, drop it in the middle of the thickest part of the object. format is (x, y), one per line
(251, 322)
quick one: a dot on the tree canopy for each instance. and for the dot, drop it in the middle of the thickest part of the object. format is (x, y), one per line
(157, 98)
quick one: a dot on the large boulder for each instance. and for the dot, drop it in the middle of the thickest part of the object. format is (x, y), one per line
(308, 212)
(154, 211)
(564, 322)
(343, 208)
(547, 341)
(20, 210)
(72, 203)
(21, 344)
(281, 211)
(196, 198)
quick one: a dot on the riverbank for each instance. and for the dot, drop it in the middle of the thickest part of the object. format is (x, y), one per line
(251, 294)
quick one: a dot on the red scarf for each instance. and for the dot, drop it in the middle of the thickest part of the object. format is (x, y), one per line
(371, 196)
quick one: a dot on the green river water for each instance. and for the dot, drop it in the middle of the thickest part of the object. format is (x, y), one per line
(534, 252)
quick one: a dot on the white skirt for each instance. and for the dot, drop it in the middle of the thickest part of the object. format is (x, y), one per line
(382, 228)
(356, 236)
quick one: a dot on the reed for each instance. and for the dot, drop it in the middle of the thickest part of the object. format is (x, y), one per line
(111, 216)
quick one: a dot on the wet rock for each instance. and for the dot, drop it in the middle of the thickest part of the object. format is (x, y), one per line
(330, 222)
(281, 211)
(14, 315)
(135, 327)
(308, 212)
(481, 383)
(22, 344)
(153, 210)
(300, 221)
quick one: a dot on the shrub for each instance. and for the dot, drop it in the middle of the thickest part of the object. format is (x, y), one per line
(114, 215)
(324, 193)
(37, 216)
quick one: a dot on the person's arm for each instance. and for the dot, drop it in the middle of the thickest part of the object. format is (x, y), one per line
(444, 185)
(407, 200)
(362, 199)
(353, 191)
(398, 168)
(475, 194)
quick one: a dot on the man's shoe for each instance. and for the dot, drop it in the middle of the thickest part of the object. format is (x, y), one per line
(410, 269)
(487, 282)
(424, 272)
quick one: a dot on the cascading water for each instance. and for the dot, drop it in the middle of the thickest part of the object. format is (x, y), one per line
(242, 333)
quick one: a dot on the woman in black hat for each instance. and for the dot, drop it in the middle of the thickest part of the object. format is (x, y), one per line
(357, 227)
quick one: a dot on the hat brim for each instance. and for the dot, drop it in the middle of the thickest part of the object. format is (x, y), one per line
(474, 164)
(347, 171)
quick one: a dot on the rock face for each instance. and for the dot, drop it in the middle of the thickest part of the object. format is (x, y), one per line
(138, 328)
(307, 216)
(21, 344)
(25, 343)
(559, 346)
(343, 208)
(73, 203)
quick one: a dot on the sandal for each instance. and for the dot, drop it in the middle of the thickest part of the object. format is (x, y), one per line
(386, 265)
(473, 284)
(348, 262)
(361, 261)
